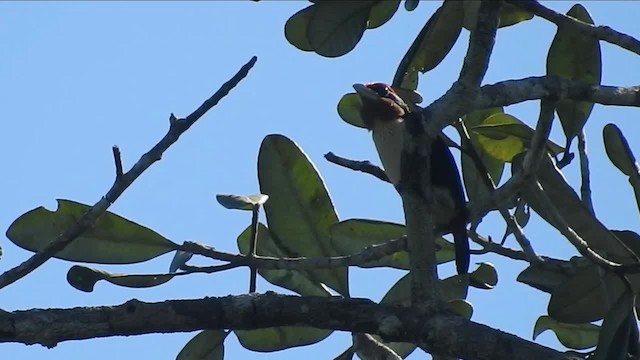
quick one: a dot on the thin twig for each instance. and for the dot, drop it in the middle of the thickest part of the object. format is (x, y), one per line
(604, 33)
(585, 188)
(253, 245)
(117, 159)
(176, 129)
(368, 254)
(362, 166)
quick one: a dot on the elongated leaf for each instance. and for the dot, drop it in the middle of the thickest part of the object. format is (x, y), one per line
(575, 56)
(573, 336)
(85, 278)
(509, 14)
(280, 338)
(622, 157)
(206, 345)
(300, 212)
(335, 28)
(613, 343)
(111, 240)
(432, 44)
(543, 279)
(577, 216)
(353, 235)
(301, 282)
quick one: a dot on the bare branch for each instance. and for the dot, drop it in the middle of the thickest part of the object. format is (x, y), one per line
(440, 332)
(585, 188)
(117, 159)
(362, 166)
(176, 129)
(368, 254)
(599, 32)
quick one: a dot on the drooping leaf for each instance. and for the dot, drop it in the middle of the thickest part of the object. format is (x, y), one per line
(85, 278)
(432, 44)
(462, 307)
(241, 202)
(295, 29)
(280, 338)
(301, 282)
(575, 56)
(473, 178)
(300, 212)
(335, 28)
(583, 297)
(111, 240)
(179, 260)
(353, 235)
(206, 345)
(573, 336)
(382, 12)
(622, 157)
(613, 343)
(484, 277)
(504, 136)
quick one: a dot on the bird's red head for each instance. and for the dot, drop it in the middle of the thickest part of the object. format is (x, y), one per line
(380, 103)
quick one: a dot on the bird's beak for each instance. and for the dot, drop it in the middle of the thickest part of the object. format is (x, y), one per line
(365, 93)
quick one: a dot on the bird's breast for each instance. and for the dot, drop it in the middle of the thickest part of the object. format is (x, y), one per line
(388, 138)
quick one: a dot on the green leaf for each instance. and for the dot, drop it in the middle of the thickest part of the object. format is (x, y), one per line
(241, 202)
(462, 307)
(411, 5)
(349, 109)
(335, 28)
(295, 29)
(301, 282)
(613, 343)
(583, 297)
(504, 136)
(382, 12)
(573, 336)
(431, 46)
(575, 56)
(353, 235)
(300, 212)
(545, 280)
(111, 240)
(622, 157)
(509, 14)
(85, 278)
(206, 345)
(473, 179)
(280, 338)
(484, 277)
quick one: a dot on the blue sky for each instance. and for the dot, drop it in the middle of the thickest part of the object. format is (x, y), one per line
(77, 78)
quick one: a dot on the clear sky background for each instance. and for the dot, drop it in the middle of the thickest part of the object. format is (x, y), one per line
(79, 77)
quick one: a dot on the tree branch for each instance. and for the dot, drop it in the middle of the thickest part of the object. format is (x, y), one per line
(599, 32)
(442, 332)
(362, 166)
(177, 127)
(585, 174)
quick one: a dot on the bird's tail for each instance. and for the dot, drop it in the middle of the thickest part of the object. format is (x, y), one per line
(461, 244)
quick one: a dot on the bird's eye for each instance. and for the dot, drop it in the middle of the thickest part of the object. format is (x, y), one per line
(382, 91)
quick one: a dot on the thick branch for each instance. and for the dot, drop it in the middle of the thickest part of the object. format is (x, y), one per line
(599, 32)
(511, 92)
(177, 128)
(442, 332)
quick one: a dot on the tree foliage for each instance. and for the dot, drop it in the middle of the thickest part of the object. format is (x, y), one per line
(306, 248)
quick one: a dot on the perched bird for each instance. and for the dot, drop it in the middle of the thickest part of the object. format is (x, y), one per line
(383, 113)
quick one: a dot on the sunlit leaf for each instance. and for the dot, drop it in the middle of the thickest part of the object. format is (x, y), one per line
(300, 212)
(349, 109)
(241, 202)
(111, 240)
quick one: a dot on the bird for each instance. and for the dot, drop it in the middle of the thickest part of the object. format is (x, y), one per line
(383, 112)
